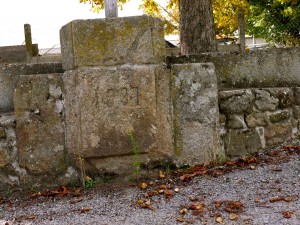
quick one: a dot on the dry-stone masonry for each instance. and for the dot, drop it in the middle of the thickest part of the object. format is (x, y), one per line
(253, 119)
(60, 122)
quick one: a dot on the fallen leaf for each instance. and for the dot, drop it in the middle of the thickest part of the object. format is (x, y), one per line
(187, 176)
(219, 220)
(287, 214)
(161, 174)
(183, 211)
(75, 201)
(161, 191)
(168, 192)
(143, 185)
(151, 182)
(180, 219)
(252, 167)
(163, 186)
(177, 190)
(233, 216)
(197, 212)
(277, 169)
(234, 207)
(85, 210)
(140, 202)
(281, 198)
(193, 198)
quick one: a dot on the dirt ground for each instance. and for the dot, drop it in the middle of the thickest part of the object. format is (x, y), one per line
(259, 189)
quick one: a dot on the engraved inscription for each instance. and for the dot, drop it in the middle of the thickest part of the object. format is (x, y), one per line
(121, 97)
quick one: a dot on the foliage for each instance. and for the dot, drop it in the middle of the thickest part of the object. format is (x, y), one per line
(275, 20)
(225, 14)
(168, 13)
(89, 182)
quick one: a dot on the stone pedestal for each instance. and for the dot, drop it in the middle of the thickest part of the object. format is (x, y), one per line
(115, 83)
(196, 113)
(112, 41)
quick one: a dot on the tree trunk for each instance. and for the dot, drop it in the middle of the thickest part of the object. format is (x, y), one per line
(197, 32)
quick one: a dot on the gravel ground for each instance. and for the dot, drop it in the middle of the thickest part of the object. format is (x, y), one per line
(265, 191)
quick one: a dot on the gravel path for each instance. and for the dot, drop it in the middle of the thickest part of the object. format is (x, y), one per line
(261, 193)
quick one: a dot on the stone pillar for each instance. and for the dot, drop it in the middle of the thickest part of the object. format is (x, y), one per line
(28, 42)
(115, 83)
(196, 113)
(38, 102)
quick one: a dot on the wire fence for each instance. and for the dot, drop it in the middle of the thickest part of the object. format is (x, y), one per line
(270, 24)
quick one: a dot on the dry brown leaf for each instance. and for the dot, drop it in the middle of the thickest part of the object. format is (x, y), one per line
(233, 216)
(163, 186)
(161, 174)
(219, 220)
(180, 219)
(287, 214)
(143, 185)
(281, 198)
(85, 210)
(183, 211)
(252, 167)
(193, 198)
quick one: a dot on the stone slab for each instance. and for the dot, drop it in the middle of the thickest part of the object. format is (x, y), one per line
(242, 142)
(39, 104)
(9, 74)
(16, 53)
(196, 113)
(112, 41)
(104, 103)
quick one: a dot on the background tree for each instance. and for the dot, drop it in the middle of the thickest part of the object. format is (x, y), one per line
(276, 21)
(197, 32)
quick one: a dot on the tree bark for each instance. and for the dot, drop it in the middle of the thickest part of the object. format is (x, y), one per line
(197, 32)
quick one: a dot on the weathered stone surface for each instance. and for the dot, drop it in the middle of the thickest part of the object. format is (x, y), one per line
(277, 133)
(124, 165)
(236, 122)
(285, 96)
(196, 113)
(237, 102)
(40, 129)
(242, 142)
(296, 112)
(297, 95)
(112, 41)
(280, 116)
(16, 53)
(264, 101)
(9, 74)
(276, 67)
(4, 157)
(256, 119)
(222, 119)
(2, 133)
(104, 103)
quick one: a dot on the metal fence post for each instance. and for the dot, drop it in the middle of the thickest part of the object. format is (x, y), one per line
(111, 8)
(28, 42)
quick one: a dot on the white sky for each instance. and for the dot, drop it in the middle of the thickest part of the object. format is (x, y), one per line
(46, 17)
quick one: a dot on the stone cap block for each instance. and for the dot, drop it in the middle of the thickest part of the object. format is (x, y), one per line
(112, 41)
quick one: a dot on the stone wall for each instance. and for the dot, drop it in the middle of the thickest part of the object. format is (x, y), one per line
(276, 67)
(65, 124)
(255, 119)
(9, 74)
